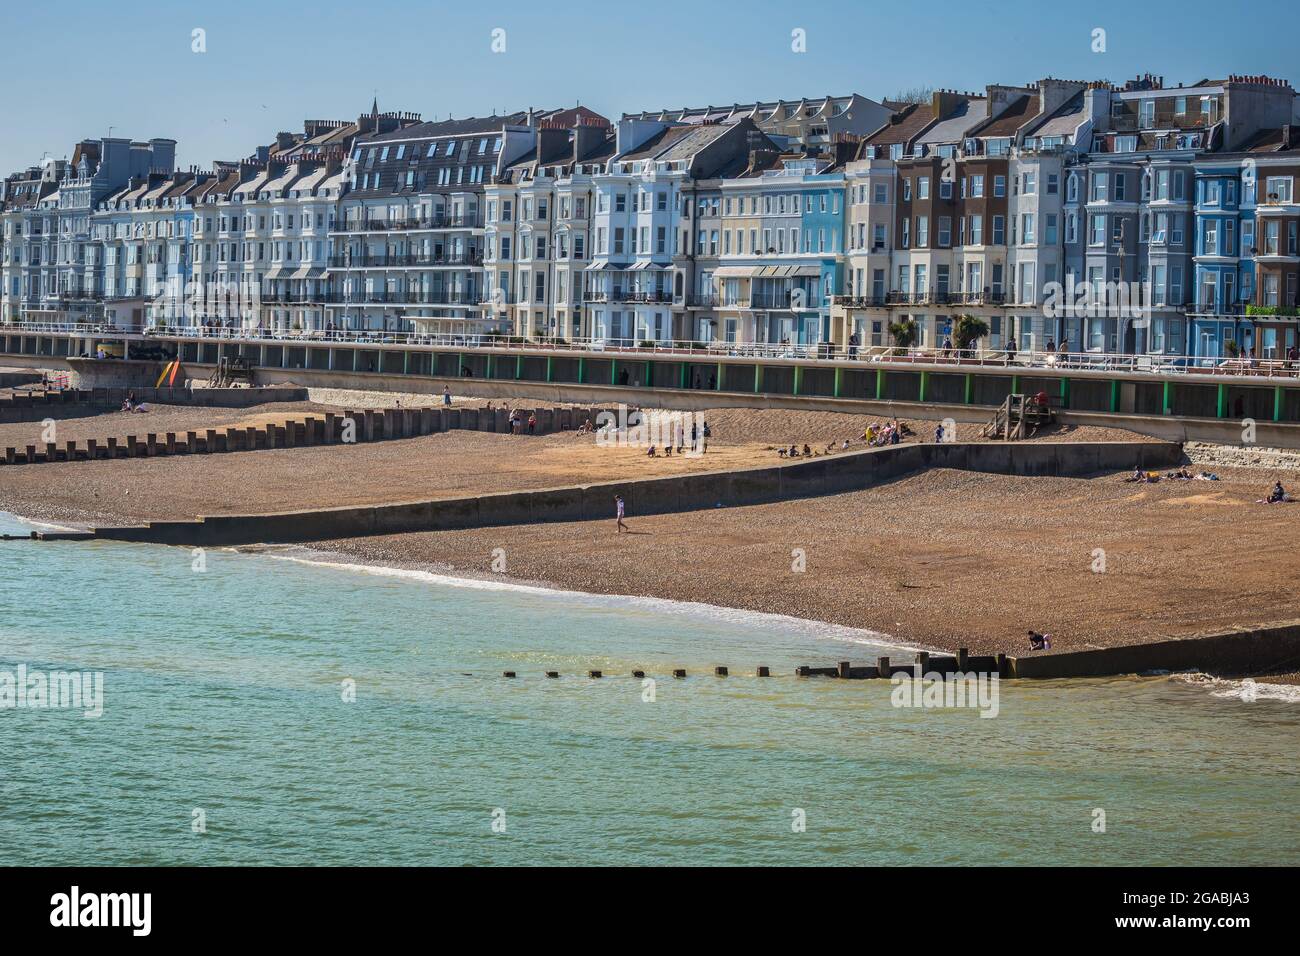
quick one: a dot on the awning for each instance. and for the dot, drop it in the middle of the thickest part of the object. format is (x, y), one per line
(275, 273)
(736, 272)
(308, 272)
(598, 265)
(806, 271)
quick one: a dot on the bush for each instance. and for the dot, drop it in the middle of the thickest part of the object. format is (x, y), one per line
(904, 333)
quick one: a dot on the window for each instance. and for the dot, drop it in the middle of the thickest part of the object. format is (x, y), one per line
(977, 230)
(977, 186)
(1097, 231)
(923, 187)
(881, 193)
(1099, 184)
(1027, 228)
(945, 231)
(999, 230)
(1277, 190)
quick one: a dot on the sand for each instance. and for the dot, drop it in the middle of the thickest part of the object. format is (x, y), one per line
(946, 559)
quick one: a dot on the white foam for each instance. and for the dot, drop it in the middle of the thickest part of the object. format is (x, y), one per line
(736, 616)
(33, 523)
(1246, 690)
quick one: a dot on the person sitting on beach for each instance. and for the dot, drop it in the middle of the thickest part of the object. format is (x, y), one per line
(869, 435)
(807, 451)
(794, 452)
(780, 453)
(651, 452)
(845, 446)
(126, 405)
(1138, 475)
(1278, 494)
(1039, 642)
(668, 451)
(586, 428)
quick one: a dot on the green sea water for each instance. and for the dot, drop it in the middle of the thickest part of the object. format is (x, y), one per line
(224, 701)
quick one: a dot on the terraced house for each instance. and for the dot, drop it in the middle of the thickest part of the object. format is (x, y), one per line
(410, 230)
(47, 215)
(537, 234)
(656, 222)
(1085, 216)
(782, 247)
(1131, 198)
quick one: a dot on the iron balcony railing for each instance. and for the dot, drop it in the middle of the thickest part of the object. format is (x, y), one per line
(459, 221)
(626, 295)
(410, 259)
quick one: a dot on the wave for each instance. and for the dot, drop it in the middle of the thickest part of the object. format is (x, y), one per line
(726, 615)
(1245, 689)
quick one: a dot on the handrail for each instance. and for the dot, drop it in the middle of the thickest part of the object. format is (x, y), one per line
(1018, 363)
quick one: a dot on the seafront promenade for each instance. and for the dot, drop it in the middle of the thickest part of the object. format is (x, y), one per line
(1171, 400)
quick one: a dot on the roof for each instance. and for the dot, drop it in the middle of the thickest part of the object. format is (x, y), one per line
(471, 126)
(903, 127)
(1064, 121)
(1011, 119)
(953, 128)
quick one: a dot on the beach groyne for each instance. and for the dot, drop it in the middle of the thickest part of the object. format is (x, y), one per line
(1239, 652)
(830, 474)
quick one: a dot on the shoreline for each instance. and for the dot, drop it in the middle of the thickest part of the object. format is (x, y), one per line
(1283, 686)
(449, 576)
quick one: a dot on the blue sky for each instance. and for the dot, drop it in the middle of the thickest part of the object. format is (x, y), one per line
(77, 68)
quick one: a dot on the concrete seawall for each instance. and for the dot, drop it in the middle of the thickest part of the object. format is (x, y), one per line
(788, 481)
(77, 403)
(1239, 652)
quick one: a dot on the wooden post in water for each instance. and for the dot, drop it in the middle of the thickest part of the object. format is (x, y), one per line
(882, 667)
(764, 671)
(845, 669)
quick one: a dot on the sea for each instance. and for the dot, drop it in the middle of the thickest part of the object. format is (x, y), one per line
(283, 706)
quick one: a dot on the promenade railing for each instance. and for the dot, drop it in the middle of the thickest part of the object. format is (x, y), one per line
(1018, 362)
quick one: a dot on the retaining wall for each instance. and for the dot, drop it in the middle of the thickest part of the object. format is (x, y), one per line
(1239, 652)
(788, 481)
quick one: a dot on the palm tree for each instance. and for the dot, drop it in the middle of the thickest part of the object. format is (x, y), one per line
(904, 333)
(970, 329)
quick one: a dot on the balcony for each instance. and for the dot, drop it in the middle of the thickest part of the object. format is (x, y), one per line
(859, 301)
(404, 261)
(624, 295)
(461, 221)
(438, 297)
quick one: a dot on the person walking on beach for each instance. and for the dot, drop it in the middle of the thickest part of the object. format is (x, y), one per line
(620, 511)
(446, 395)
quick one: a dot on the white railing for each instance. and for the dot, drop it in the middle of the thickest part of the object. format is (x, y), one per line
(1019, 362)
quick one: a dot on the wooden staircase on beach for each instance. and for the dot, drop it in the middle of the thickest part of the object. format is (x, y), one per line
(1019, 417)
(232, 369)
